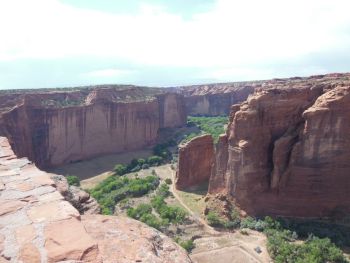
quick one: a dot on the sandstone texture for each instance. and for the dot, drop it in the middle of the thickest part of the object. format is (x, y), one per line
(80, 199)
(62, 126)
(287, 148)
(216, 99)
(196, 159)
(38, 225)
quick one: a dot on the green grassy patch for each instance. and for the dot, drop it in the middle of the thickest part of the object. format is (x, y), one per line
(210, 125)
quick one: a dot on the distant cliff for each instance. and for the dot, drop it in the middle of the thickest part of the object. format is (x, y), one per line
(215, 99)
(56, 127)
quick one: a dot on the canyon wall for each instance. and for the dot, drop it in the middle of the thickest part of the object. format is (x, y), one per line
(38, 225)
(215, 99)
(287, 149)
(60, 127)
(196, 159)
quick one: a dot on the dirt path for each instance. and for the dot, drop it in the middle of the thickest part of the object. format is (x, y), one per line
(208, 228)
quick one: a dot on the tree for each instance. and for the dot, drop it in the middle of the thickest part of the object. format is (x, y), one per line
(73, 180)
(120, 169)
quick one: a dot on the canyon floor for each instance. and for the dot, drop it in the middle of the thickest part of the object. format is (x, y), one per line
(210, 245)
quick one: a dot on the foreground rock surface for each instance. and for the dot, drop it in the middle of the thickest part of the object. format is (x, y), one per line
(287, 148)
(38, 225)
(196, 159)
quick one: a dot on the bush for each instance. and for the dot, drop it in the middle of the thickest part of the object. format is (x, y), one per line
(139, 211)
(214, 219)
(73, 180)
(114, 189)
(187, 244)
(143, 213)
(163, 190)
(168, 181)
(145, 166)
(314, 250)
(120, 169)
(154, 160)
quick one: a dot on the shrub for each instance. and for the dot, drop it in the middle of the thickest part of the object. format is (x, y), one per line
(145, 166)
(168, 181)
(114, 189)
(141, 162)
(154, 160)
(187, 244)
(214, 219)
(139, 211)
(120, 169)
(73, 180)
(163, 190)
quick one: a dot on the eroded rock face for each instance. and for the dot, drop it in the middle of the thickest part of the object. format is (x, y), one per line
(287, 150)
(80, 199)
(38, 225)
(216, 99)
(61, 127)
(196, 160)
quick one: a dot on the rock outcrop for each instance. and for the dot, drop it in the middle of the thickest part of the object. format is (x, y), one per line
(38, 225)
(52, 128)
(196, 159)
(287, 148)
(80, 199)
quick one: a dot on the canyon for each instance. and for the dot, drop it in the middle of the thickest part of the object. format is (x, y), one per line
(286, 150)
(56, 127)
(285, 153)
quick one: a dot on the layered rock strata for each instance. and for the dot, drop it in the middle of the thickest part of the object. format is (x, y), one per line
(216, 99)
(52, 128)
(38, 225)
(287, 148)
(196, 159)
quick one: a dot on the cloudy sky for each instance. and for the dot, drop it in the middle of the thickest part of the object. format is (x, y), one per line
(59, 43)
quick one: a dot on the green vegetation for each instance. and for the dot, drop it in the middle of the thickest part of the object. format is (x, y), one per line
(209, 125)
(158, 214)
(316, 241)
(73, 180)
(188, 245)
(161, 155)
(168, 181)
(114, 189)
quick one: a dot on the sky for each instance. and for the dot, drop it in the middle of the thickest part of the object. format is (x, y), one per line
(64, 43)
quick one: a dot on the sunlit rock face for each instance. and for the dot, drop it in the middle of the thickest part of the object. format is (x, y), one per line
(196, 160)
(56, 127)
(286, 149)
(37, 224)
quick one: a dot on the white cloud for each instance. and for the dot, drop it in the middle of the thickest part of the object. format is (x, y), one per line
(107, 73)
(232, 35)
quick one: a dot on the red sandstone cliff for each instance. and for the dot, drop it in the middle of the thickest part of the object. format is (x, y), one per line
(60, 127)
(287, 148)
(196, 159)
(216, 99)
